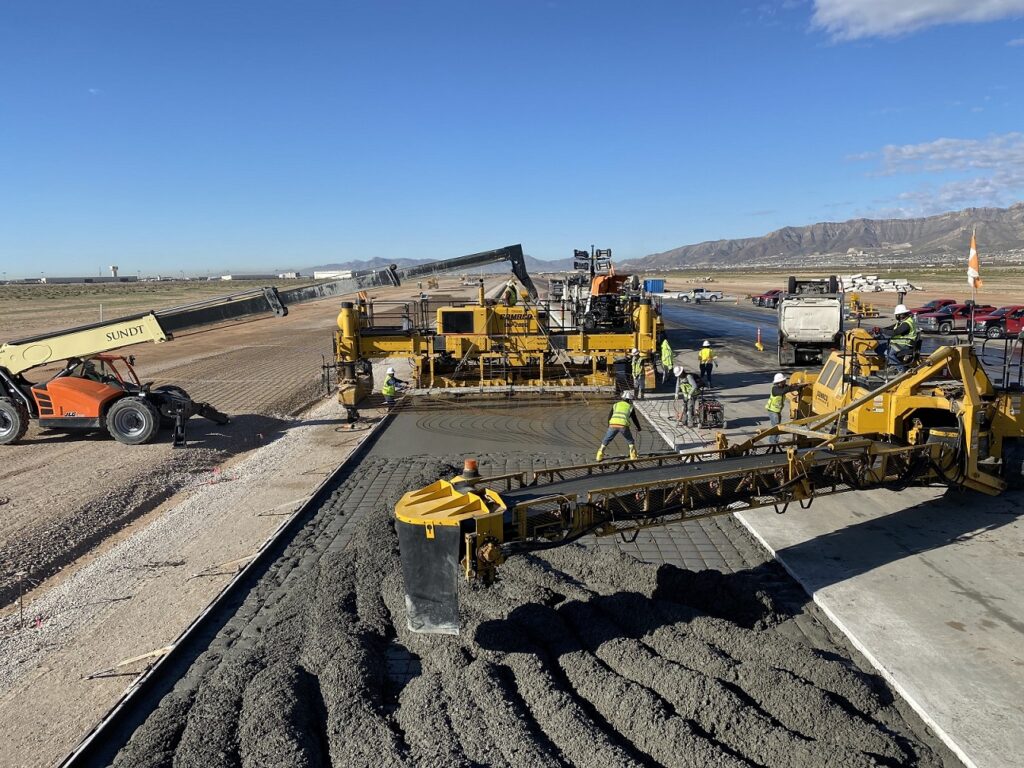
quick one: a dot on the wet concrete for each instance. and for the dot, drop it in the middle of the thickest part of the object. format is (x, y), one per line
(580, 656)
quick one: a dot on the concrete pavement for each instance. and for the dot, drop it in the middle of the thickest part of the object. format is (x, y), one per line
(926, 584)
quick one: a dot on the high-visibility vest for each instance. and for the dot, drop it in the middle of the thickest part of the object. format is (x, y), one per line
(620, 414)
(666, 354)
(908, 338)
(774, 403)
(390, 388)
(685, 388)
(510, 296)
(706, 354)
(638, 366)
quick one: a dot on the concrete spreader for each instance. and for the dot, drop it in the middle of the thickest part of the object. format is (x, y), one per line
(925, 584)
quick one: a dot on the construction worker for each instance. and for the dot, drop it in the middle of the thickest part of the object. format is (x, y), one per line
(636, 369)
(776, 399)
(666, 360)
(708, 361)
(618, 423)
(509, 295)
(900, 348)
(390, 388)
(688, 387)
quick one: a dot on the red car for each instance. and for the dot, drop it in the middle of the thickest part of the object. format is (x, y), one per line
(932, 306)
(952, 318)
(768, 299)
(1005, 321)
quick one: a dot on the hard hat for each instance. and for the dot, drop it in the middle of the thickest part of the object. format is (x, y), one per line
(635, 351)
(627, 395)
(678, 370)
(901, 309)
(706, 344)
(390, 370)
(779, 378)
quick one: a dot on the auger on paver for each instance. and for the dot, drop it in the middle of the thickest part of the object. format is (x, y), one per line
(942, 422)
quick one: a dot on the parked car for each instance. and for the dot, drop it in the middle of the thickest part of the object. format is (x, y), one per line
(768, 299)
(952, 318)
(698, 295)
(1005, 321)
(932, 306)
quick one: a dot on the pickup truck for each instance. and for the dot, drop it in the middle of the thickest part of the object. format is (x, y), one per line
(698, 295)
(932, 306)
(768, 299)
(1005, 321)
(952, 318)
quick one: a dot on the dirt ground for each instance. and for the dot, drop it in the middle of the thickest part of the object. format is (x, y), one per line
(578, 656)
(65, 493)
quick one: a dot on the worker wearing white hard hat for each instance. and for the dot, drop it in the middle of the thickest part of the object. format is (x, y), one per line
(390, 387)
(618, 424)
(775, 400)
(900, 344)
(708, 361)
(508, 296)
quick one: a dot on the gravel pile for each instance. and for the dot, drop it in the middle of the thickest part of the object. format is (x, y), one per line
(576, 657)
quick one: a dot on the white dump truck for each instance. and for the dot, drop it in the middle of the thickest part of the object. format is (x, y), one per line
(810, 320)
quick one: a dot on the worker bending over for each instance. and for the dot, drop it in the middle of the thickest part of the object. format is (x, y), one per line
(688, 388)
(776, 399)
(390, 388)
(708, 361)
(618, 423)
(508, 296)
(900, 349)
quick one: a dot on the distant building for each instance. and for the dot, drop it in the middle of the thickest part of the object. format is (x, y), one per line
(290, 275)
(332, 274)
(248, 277)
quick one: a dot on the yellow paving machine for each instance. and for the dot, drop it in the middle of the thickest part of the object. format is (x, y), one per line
(942, 422)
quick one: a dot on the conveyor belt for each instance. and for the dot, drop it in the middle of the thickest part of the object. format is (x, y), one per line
(629, 477)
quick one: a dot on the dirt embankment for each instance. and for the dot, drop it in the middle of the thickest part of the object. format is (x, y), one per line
(576, 657)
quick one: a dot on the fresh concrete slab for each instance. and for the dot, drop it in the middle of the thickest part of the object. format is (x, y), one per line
(924, 583)
(927, 587)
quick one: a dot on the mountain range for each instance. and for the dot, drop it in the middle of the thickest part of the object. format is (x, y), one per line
(999, 230)
(837, 243)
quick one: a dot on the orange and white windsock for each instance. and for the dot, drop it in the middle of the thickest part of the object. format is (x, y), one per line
(973, 276)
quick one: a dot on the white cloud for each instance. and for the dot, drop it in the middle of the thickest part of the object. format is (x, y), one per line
(1016, 42)
(974, 172)
(853, 19)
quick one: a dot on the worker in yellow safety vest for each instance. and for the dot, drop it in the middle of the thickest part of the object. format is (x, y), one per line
(618, 423)
(390, 387)
(901, 347)
(708, 361)
(508, 296)
(688, 389)
(636, 369)
(667, 357)
(776, 399)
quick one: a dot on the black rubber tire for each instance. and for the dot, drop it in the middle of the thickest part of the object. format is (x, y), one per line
(791, 285)
(833, 284)
(133, 421)
(685, 299)
(713, 298)
(1013, 462)
(946, 328)
(994, 331)
(13, 421)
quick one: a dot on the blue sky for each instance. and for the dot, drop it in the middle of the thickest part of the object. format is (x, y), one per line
(167, 135)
